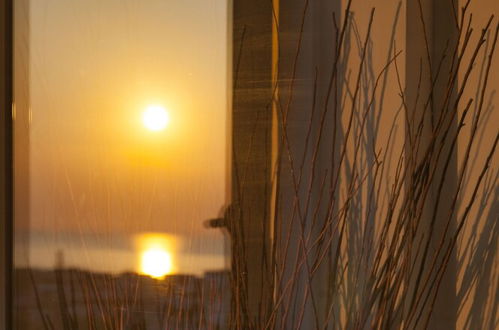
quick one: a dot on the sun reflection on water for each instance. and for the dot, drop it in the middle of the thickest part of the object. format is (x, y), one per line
(155, 255)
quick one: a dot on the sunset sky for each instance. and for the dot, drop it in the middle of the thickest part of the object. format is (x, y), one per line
(99, 177)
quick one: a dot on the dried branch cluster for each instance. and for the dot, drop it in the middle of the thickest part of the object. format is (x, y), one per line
(366, 227)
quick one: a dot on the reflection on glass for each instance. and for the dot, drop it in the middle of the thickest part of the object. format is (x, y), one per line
(156, 255)
(127, 159)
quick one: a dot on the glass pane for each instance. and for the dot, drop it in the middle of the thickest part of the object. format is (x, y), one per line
(121, 158)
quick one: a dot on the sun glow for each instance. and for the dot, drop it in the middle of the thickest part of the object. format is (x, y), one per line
(156, 262)
(155, 118)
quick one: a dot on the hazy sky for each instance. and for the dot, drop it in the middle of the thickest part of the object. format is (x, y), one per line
(98, 177)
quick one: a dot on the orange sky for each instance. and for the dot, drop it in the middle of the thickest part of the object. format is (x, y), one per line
(95, 170)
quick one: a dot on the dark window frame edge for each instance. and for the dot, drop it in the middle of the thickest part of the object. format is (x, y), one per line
(6, 163)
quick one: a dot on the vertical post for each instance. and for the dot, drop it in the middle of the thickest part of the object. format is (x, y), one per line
(306, 59)
(248, 222)
(431, 33)
(6, 182)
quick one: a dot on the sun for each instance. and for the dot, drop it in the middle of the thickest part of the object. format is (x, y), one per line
(155, 118)
(156, 262)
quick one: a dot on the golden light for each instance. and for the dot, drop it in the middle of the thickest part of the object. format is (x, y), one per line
(156, 254)
(155, 118)
(156, 262)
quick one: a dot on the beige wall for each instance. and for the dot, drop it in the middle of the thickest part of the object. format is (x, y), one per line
(478, 279)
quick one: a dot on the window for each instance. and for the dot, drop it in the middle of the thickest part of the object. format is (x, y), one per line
(121, 143)
(248, 164)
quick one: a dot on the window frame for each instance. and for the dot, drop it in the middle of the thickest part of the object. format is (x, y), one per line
(6, 163)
